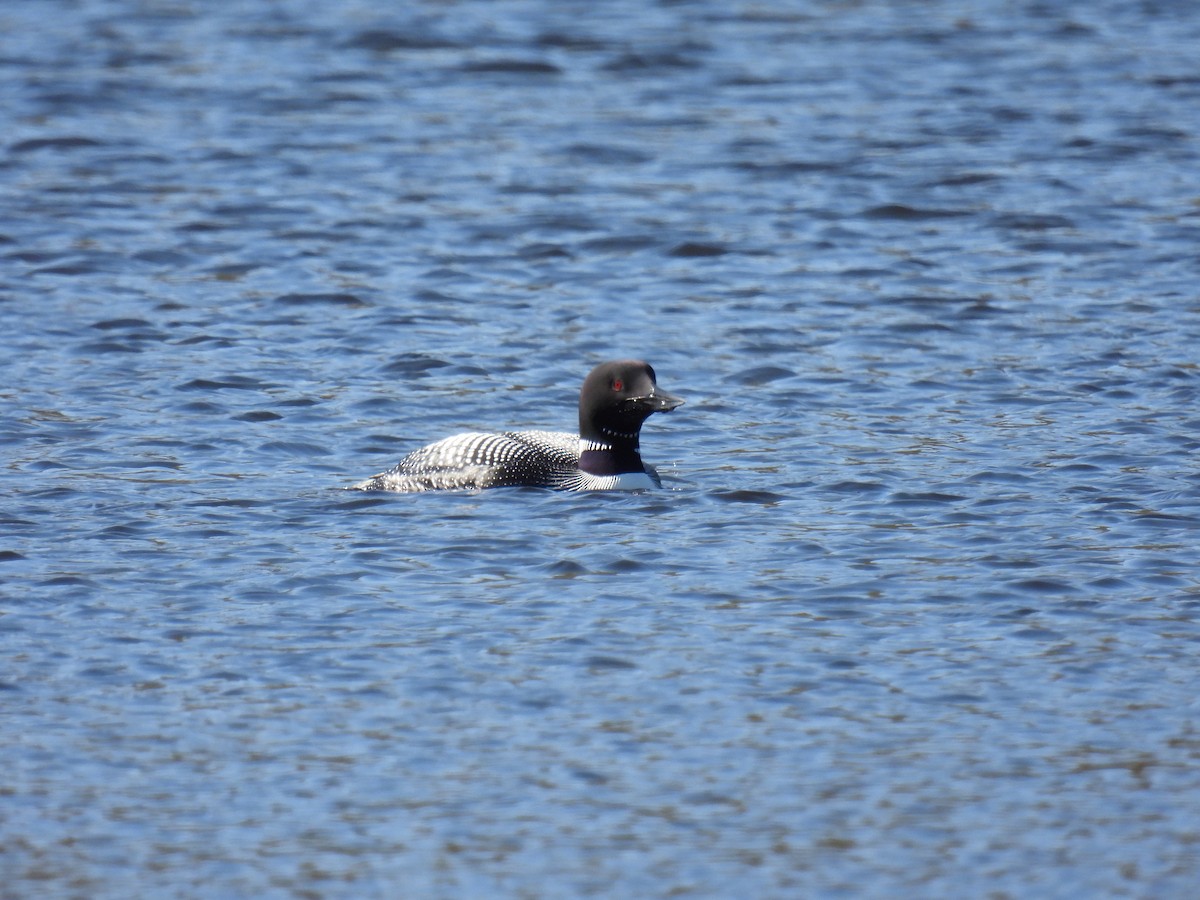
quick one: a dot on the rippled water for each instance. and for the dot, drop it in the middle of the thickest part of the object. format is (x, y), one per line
(917, 612)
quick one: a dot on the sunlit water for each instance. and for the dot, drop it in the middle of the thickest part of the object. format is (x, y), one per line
(916, 614)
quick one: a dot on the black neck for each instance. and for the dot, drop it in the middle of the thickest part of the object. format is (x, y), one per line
(616, 460)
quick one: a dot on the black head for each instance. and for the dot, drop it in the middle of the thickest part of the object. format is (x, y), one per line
(616, 398)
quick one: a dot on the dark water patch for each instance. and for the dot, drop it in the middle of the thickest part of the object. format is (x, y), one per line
(965, 179)
(554, 223)
(73, 268)
(102, 347)
(607, 154)
(124, 529)
(544, 250)
(205, 226)
(385, 446)
(254, 212)
(918, 327)
(693, 249)
(200, 406)
(903, 213)
(1175, 80)
(227, 382)
(1079, 247)
(234, 502)
(327, 235)
(764, 498)
(1039, 634)
(232, 271)
(68, 142)
(122, 324)
(622, 243)
(182, 635)
(760, 375)
(842, 664)
(1156, 518)
(1155, 134)
(361, 500)
(787, 169)
(924, 498)
(565, 40)
(512, 67)
(1031, 221)
(1000, 477)
(36, 256)
(216, 340)
(414, 37)
(565, 568)
(1044, 586)
(607, 663)
(652, 62)
(1017, 614)
(414, 365)
(351, 301)
(932, 303)
(172, 464)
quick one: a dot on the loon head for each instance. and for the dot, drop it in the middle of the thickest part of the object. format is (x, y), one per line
(616, 398)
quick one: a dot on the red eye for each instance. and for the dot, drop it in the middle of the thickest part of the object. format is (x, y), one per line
(617, 384)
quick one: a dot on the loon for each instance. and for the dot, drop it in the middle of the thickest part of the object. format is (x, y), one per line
(616, 398)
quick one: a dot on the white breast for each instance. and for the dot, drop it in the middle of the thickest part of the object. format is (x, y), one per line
(626, 481)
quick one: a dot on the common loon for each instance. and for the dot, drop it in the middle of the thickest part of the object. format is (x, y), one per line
(616, 398)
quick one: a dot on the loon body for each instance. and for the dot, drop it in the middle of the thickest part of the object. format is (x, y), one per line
(616, 398)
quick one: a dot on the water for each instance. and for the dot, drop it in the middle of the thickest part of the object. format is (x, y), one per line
(917, 611)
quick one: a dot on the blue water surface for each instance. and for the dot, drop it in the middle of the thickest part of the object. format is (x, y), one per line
(916, 613)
